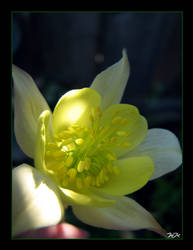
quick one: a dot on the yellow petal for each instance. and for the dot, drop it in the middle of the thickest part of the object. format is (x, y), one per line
(85, 198)
(125, 214)
(111, 83)
(134, 172)
(129, 126)
(36, 200)
(75, 107)
(28, 105)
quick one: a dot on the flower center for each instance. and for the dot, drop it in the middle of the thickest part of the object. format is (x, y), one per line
(83, 156)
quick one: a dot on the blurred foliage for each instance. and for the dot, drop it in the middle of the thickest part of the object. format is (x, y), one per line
(66, 51)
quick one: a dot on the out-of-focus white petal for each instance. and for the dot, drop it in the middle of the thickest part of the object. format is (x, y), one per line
(36, 200)
(111, 83)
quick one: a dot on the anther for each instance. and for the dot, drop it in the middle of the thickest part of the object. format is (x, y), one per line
(121, 133)
(81, 166)
(91, 118)
(98, 181)
(109, 168)
(125, 144)
(116, 171)
(79, 141)
(72, 173)
(115, 112)
(87, 180)
(87, 163)
(99, 145)
(52, 146)
(112, 139)
(58, 153)
(66, 141)
(123, 121)
(48, 153)
(65, 182)
(64, 149)
(79, 183)
(111, 157)
(99, 112)
(101, 176)
(71, 146)
(68, 161)
(116, 120)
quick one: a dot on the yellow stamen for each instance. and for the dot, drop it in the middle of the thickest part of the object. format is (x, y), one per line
(98, 181)
(79, 141)
(87, 163)
(48, 153)
(112, 139)
(116, 171)
(101, 176)
(68, 161)
(116, 120)
(98, 110)
(125, 144)
(80, 156)
(64, 149)
(87, 180)
(71, 146)
(91, 118)
(58, 153)
(79, 183)
(81, 166)
(115, 112)
(111, 157)
(52, 146)
(65, 182)
(72, 173)
(121, 133)
(109, 167)
(123, 121)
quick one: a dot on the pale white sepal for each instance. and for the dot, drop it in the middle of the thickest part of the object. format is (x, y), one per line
(28, 105)
(111, 83)
(125, 214)
(163, 147)
(35, 200)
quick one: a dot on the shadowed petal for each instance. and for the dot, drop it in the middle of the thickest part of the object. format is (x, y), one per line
(43, 135)
(28, 105)
(164, 149)
(125, 214)
(85, 197)
(111, 83)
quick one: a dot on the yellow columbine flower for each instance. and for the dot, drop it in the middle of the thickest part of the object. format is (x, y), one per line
(88, 153)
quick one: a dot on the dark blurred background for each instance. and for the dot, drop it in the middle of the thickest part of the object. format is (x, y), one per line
(63, 51)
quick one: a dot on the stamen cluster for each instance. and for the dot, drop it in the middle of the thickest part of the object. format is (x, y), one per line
(83, 156)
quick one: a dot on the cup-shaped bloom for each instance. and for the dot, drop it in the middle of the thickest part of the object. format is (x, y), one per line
(93, 149)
